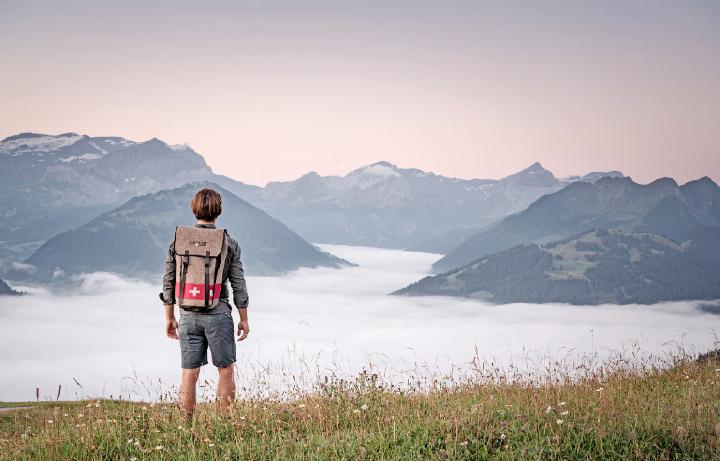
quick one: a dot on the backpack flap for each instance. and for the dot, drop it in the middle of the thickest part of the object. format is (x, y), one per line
(200, 255)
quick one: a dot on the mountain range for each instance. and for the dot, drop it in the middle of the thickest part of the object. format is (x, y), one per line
(594, 267)
(76, 204)
(133, 240)
(661, 207)
(387, 206)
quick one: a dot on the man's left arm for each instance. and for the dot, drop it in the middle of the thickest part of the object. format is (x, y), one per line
(236, 274)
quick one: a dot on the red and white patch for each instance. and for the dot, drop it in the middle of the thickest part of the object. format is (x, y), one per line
(197, 291)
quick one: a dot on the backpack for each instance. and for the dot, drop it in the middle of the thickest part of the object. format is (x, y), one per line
(200, 255)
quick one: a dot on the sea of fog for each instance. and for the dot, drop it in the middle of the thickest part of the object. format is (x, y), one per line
(108, 340)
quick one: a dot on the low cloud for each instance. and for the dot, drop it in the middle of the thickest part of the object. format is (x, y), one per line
(109, 336)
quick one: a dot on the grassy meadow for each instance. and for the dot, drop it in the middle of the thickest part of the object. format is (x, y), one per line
(610, 412)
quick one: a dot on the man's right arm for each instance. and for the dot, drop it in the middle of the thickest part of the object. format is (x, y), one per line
(169, 293)
(169, 277)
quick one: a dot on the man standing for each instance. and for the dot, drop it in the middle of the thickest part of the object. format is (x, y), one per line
(202, 328)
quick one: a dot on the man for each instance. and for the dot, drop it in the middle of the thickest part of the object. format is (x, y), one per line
(202, 328)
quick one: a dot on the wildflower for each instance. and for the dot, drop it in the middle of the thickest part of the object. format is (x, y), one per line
(464, 443)
(548, 409)
(364, 407)
(599, 389)
(356, 411)
(133, 459)
(502, 436)
(65, 415)
(302, 405)
(50, 421)
(137, 443)
(558, 422)
(23, 436)
(562, 404)
(564, 413)
(129, 440)
(211, 445)
(97, 404)
(243, 417)
(159, 447)
(144, 408)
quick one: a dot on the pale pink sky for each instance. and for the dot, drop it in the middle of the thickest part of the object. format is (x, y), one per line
(271, 90)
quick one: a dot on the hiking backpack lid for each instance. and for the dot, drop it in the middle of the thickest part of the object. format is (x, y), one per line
(200, 255)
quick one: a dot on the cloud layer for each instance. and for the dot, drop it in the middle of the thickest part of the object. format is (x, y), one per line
(314, 322)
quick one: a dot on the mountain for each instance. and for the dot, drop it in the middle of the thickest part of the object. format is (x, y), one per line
(50, 184)
(383, 205)
(133, 239)
(660, 207)
(594, 267)
(6, 290)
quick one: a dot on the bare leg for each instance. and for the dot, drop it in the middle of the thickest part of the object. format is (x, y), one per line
(226, 389)
(187, 391)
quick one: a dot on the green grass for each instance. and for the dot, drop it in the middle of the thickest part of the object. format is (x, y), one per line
(656, 413)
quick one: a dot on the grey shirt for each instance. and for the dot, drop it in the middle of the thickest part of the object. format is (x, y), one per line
(232, 271)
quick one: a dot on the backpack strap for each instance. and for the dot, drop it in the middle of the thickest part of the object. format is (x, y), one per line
(207, 278)
(183, 274)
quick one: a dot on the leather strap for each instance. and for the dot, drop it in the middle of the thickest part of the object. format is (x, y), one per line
(183, 274)
(207, 278)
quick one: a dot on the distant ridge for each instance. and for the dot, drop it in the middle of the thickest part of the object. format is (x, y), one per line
(661, 207)
(594, 267)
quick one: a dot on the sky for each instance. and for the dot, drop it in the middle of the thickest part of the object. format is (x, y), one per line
(320, 322)
(269, 90)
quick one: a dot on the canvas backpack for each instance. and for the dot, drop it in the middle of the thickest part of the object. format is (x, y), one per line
(200, 255)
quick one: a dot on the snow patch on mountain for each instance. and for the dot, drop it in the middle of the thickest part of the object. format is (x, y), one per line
(81, 158)
(37, 143)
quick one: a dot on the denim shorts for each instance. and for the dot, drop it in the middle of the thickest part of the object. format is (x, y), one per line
(198, 331)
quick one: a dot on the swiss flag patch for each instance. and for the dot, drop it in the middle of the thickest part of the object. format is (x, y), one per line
(197, 291)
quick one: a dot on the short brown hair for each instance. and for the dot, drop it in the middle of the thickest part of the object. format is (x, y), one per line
(207, 205)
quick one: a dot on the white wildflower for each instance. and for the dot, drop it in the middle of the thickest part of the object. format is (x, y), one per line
(364, 407)
(558, 422)
(564, 413)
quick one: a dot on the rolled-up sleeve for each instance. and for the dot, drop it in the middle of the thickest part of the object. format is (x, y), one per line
(169, 277)
(237, 280)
